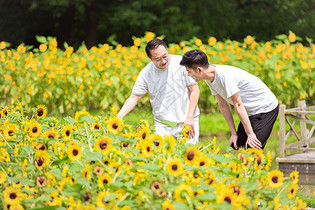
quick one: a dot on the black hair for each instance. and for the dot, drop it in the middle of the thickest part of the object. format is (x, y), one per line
(153, 44)
(194, 58)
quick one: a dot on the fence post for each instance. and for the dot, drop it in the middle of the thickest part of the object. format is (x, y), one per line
(282, 131)
(302, 106)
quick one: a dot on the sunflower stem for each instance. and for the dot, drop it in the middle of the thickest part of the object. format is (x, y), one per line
(205, 147)
(89, 137)
(189, 201)
(123, 198)
(6, 141)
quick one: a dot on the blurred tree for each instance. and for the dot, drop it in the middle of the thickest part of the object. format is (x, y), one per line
(98, 21)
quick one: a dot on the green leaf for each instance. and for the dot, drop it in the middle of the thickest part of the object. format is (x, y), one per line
(169, 123)
(150, 166)
(92, 156)
(41, 39)
(87, 119)
(206, 197)
(180, 205)
(69, 120)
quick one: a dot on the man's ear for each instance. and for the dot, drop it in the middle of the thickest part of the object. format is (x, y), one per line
(199, 69)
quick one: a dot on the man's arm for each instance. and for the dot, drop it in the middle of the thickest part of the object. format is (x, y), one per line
(227, 114)
(242, 114)
(129, 105)
(193, 101)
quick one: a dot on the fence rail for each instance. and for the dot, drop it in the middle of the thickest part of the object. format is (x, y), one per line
(304, 137)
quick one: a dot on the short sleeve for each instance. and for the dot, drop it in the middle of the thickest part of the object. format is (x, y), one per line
(231, 86)
(141, 86)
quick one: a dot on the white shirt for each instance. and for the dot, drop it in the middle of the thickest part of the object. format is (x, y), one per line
(169, 93)
(256, 96)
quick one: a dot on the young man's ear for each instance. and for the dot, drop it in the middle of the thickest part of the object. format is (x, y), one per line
(199, 69)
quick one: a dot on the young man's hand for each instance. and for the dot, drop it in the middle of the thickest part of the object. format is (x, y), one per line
(253, 142)
(190, 122)
(233, 140)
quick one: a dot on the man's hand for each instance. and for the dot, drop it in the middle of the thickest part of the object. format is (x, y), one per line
(253, 142)
(233, 140)
(190, 122)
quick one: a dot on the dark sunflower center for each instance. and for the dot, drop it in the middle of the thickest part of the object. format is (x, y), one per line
(75, 152)
(10, 132)
(157, 143)
(41, 180)
(68, 132)
(85, 174)
(87, 196)
(274, 179)
(190, 155)
(42, 147)
(144, 135)
(115, 126)
(236, 190)
(5, 112)
(174, 167)
(258, 160)
(40, 161)
(148, 149)
(156, 186)
(13, 195)
(202, 163)
(196, 175)
(97, 127)
(34, 129)
(51, 136)
(292, 191)
(126, 144)
(228, 199)
(105, 181)
(40, 112)
(103, 144)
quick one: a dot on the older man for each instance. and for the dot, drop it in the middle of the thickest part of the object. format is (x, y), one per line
(173, 94)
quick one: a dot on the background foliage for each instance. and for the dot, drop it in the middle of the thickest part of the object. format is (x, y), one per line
(98, 21)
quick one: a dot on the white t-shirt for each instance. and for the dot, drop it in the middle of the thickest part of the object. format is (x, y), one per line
(256, 96)
(169, 93)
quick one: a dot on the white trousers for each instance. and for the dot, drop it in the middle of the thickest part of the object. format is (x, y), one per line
(163, 129)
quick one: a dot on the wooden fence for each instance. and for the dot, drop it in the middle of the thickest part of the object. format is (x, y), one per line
(305, 136)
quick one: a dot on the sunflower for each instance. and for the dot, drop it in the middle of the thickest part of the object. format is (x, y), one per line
(127, 131)
(192, 156)
(41, 181)
(182, 192)
(41, 146)
(5, 111)
(4, 155)
(157, 141)
(293, 190)
(86, 173)
(175, 167)
(59, 149)
(128, 164)
(143, 134)
(42, 159)
(67, 131)
(1, 115)
(156, 186)
(194, 176)
(276, 203)
(74, 152)
(103, 144)
(104, 180)
(10, 130)
(167, 205)
(115, 125)
(41, 111)
(210, 180)
(98, 170)
(103, 201)
(89, 207)
(50, 179)
(79, 114)
(269, 161)
(51, 135)
(34, 129)
(294, 177)
(96, 126)
(54, 199)
(2, 177)
(258, 162)
(275, 178)
(146, 149)
(227, 195)
(12, 195)
(169, 143)
(186, 132)
(205, 161)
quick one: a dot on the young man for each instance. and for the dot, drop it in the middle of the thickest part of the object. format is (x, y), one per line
(255, 105)
(173, 94)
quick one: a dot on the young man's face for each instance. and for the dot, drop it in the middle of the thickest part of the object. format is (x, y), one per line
(160, 57)
(193, 73)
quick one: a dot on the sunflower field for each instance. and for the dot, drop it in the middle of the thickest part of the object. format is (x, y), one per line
(103, 76)
(99, 162)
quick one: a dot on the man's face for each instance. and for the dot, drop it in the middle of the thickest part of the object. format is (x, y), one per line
(160, 57)
(193, 73)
